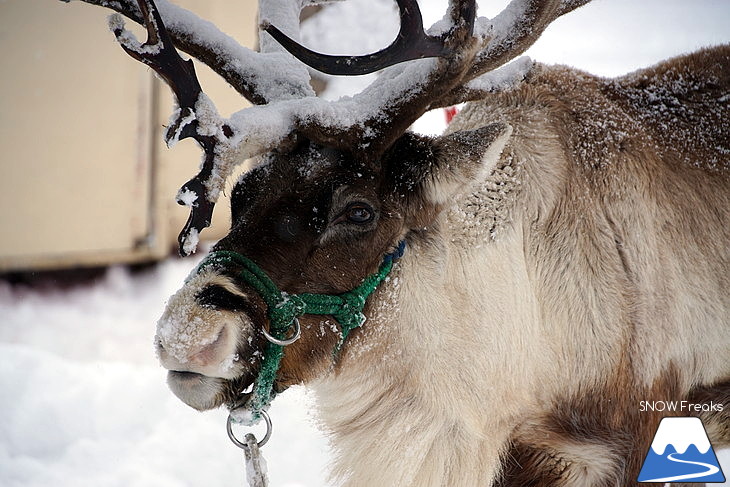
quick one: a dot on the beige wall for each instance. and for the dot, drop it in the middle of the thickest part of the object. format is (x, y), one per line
(86, 178)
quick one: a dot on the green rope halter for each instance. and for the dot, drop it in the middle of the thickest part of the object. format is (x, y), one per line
(283, 308)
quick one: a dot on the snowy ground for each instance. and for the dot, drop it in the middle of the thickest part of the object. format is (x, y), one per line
(83, 400)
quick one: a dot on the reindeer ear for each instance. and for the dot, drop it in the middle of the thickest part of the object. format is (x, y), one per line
(428, 172)
(461, 160)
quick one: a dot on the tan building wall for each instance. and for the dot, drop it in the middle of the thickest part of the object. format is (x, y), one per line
(85, 176)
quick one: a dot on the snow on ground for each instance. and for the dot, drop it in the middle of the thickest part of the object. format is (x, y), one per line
(84, 402)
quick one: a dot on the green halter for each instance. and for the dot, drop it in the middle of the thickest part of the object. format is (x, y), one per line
(283, 309)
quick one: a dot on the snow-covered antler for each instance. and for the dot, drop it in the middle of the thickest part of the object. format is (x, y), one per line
(159, 53)
(196, 116)
(466, 51)
(501, 39)
(373, 119)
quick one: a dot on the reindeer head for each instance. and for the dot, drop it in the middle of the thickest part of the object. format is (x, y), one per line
(338, 185)
(315, 220)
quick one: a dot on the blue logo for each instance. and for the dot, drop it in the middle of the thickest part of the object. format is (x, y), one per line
(681, 452)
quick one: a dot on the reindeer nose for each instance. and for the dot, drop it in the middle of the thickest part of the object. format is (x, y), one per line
(209, 353)
(201, 355)
(213, 357)
(201, 337)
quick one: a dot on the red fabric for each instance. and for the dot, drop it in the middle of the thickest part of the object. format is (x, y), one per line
(450, 113)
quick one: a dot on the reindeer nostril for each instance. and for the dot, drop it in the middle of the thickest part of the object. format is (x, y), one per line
(211, 352)
(160, 351)
(220, 298)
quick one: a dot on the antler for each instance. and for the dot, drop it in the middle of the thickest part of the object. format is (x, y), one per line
(368, 122)
(196, 116)
(505, 37)
(159, 53)
(464, 71)
(371, 120)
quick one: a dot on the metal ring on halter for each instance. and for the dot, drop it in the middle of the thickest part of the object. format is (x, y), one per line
(286, 341)
(239, 444)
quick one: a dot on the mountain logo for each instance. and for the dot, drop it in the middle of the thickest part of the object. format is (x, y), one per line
(681, 452)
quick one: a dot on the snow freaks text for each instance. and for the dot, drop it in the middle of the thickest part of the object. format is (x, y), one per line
(679, 406)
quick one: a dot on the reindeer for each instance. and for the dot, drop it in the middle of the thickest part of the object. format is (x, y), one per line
(490, 306)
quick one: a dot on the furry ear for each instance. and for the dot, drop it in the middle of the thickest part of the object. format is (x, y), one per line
(463, 159)
(429, 172)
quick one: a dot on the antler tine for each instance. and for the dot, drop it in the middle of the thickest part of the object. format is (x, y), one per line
(245, 70)
(411, 43)
(460, 46)
(159, 53)
(513, 31)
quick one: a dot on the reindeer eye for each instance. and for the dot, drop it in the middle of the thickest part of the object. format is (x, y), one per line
(359, 213)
